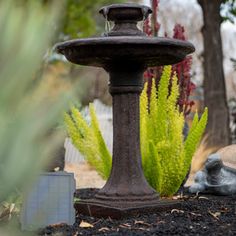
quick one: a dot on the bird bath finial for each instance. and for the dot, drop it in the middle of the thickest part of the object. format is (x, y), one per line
(125, 18)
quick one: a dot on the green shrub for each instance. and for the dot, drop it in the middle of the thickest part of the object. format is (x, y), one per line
(166, 157)
(88, 140)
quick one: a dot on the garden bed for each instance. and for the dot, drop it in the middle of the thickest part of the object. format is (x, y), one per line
(198, 215)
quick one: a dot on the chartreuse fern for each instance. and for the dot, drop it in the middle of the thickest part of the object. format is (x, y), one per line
(166, 157)
(88, 139)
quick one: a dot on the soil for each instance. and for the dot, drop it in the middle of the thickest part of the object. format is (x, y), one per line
(198, 215)
(85, 176)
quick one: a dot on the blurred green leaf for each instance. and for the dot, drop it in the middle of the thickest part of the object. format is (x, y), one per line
(82, 19)
(26, 116)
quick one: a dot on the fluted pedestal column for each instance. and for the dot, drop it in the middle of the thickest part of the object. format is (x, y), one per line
(126, 191)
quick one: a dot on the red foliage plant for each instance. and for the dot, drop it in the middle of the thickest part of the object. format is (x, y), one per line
(182, 70)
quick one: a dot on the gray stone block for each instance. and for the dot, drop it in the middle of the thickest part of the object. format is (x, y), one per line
(50, 201)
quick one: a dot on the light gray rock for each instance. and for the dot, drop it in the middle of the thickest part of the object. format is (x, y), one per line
(215, 178)
(50, 201)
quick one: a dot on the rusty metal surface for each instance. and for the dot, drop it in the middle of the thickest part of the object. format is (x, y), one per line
(125, 58)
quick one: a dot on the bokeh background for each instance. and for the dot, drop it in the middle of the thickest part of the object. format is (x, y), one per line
(38, 85)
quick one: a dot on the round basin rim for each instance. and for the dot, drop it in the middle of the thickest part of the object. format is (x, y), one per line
(125, 40)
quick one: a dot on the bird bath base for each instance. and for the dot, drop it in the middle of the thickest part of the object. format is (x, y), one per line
(117, 210)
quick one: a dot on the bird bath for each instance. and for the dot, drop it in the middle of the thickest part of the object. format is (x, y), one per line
(125, 52)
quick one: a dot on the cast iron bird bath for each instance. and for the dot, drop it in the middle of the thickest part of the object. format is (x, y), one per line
(125, 53)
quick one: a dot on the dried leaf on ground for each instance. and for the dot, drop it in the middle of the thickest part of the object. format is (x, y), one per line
(125, 225)
(103, 229)
(195, 214)
(202, 197)
(84, 224)
(177, 211)
(141, 222)
(215, 215)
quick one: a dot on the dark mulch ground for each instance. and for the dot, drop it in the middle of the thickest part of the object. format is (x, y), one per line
(198, 215)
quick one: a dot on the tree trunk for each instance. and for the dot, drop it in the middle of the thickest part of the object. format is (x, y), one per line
(214, 82)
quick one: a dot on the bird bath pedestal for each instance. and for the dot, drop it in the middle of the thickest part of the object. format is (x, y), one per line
(125, 53)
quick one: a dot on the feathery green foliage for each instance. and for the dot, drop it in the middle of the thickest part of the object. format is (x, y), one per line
(88, 139)
(166, 157)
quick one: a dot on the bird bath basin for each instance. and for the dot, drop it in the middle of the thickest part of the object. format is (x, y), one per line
(125, 53)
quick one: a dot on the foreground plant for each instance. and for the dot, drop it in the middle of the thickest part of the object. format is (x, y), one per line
(26, 116)
(166, 157)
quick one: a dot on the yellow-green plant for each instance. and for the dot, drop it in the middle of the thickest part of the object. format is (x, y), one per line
(166, 157)
(88, 139)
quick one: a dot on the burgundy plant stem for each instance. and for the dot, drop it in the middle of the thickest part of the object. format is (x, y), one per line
(182, 69)
(155, 24)
(151, 28)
